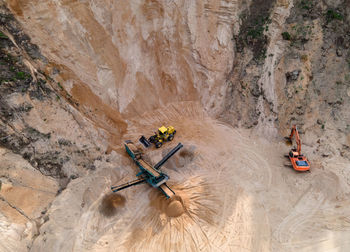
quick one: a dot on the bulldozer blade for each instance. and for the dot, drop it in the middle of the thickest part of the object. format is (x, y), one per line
(144, 141)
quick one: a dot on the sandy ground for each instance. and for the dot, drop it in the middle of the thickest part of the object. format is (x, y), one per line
(237, 196)
(24, 194)
(120, 61)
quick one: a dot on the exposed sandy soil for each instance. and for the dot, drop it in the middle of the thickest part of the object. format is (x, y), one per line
(115, 70)
(234, 194)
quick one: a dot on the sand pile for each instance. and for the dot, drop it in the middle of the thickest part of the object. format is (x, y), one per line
(175, 207)
(172, 207)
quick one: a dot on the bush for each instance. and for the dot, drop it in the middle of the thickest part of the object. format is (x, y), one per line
(3, 35)
(305, 4)
(333, 15)
(304, 57)
(20, 75)
(286, 36)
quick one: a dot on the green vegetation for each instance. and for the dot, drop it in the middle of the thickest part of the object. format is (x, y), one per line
(298, 33)
(9, 59)
(256, 31)
(20, 75)
(59, 85)
(333, 15)
(3, 36)
(301, 31)
(338, 83)
(304, 57)
(347, 77)
(255, 36)
(255, 24)
(262, 55)
(286, 36)
(305, 4)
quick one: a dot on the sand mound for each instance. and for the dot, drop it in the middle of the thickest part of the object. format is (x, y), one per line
(110, 203)
(173, 207)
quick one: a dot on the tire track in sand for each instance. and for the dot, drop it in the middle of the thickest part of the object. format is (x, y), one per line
(302, 211)
(305, 210)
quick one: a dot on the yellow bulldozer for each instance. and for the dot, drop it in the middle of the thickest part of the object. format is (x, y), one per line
(163, 134)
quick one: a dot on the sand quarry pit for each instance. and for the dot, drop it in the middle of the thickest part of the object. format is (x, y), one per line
(231, 195)
(111, 64)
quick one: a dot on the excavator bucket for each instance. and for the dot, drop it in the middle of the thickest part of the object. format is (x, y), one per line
(288, 141)
(144, 141)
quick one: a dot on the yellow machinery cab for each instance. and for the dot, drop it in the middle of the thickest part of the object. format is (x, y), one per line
(163, 134)
(162, 130)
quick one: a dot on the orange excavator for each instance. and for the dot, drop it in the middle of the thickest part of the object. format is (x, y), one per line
(299, 161)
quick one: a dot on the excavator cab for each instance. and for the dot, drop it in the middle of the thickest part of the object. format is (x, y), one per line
(302, 163)
(298, 161)
(293, 153)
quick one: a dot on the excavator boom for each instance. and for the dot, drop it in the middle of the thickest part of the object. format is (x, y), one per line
(295, 132)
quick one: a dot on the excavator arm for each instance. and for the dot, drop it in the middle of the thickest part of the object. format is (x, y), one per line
(294, 132)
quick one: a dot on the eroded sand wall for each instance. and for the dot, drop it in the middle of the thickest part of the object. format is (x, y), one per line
(134, 56)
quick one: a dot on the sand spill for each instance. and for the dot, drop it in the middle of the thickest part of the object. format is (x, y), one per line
(110, 204)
